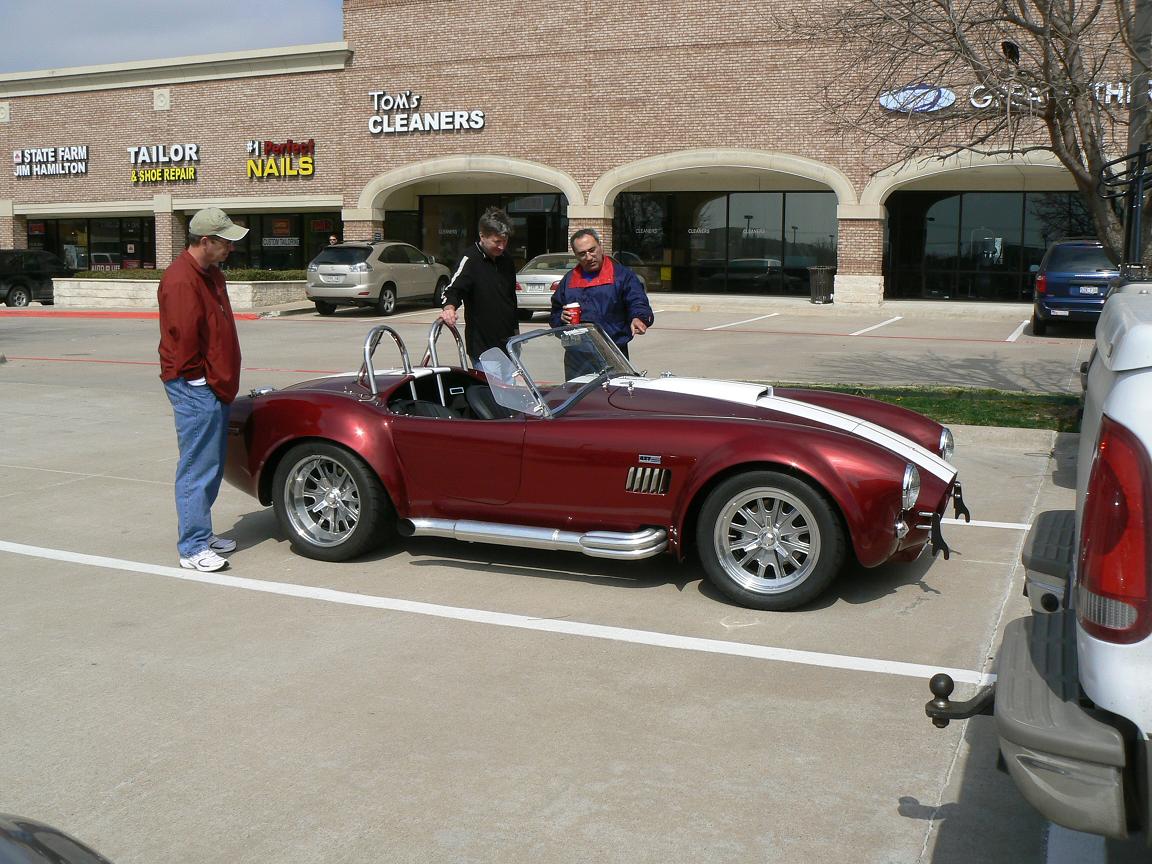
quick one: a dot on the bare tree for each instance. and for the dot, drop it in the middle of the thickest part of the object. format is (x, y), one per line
(1051, 75)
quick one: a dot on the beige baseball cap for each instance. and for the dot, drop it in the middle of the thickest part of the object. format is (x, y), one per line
(214, 222)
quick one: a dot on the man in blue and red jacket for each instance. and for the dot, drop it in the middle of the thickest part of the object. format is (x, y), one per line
(609, 293)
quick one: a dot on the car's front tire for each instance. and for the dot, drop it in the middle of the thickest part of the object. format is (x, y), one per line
(769, 540)
(438, 297)
(19, 296)
(386, 305)
(324, 308)
(331, 505)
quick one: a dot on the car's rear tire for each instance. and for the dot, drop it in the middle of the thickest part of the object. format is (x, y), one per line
(386, 305)
(331, 505)
(324, 308)
(769, 540)
(1039, 325)
(19, 296)
(525, 314)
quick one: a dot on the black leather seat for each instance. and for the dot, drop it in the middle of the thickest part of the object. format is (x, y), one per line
(485, 406)
(421, 408)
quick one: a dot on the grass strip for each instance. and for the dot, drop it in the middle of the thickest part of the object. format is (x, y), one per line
(972, 407)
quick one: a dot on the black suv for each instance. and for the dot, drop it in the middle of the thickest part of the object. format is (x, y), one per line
(26, 275)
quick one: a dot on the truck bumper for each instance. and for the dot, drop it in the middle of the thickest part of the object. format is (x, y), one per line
(1067, 760)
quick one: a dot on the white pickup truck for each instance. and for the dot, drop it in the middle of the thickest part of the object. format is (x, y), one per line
(1073, 697)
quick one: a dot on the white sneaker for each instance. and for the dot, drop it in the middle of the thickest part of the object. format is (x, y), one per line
(206, 562)
(222, 545)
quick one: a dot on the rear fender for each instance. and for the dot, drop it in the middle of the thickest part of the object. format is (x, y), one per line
(284, 420)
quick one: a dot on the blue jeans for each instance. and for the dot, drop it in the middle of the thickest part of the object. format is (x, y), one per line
(201, 434)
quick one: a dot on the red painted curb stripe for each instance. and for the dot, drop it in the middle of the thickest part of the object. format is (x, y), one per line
(103, 313)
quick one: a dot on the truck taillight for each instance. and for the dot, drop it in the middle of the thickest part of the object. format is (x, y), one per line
(1041, 283)
(1114, 599)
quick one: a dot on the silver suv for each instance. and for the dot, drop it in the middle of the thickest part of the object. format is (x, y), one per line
(374, 274)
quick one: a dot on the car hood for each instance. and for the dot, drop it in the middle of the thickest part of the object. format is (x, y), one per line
(698, 397)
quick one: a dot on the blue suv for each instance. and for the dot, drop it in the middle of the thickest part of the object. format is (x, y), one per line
(1071, 283)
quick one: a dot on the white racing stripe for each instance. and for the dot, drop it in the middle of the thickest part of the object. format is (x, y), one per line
(746, 393)
(503, 619)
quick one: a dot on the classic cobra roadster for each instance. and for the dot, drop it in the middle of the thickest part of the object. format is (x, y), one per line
(558, 443)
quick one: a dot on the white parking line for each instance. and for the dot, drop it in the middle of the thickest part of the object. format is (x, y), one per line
(976, 523)
(877, 326)
(1016, 333)
(503, 619)
(745, 321)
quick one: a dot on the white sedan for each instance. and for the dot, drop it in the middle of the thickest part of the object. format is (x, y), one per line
(538, 279)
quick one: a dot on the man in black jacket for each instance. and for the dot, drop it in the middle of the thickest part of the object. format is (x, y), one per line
(485, 282)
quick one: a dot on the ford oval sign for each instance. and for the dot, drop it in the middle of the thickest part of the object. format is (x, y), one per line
(917, 99)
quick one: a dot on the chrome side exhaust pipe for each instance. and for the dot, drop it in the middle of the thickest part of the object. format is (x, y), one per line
(644, 543)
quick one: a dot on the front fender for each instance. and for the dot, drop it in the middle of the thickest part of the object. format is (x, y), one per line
(862, 480)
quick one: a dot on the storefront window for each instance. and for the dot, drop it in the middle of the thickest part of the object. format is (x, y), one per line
(975, 245)
(448, 224)
(73, 238)
(739, 242)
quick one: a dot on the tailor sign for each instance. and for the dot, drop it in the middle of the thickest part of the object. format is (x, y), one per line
(50, 161)
(397, 113)
(164, 163)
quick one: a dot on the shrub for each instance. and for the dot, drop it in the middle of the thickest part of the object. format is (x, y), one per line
(242, 274)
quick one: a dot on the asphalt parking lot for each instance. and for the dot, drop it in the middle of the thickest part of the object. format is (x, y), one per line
(452, 702)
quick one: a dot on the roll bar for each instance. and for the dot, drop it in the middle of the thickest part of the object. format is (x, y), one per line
(434, 335)
(370, 343)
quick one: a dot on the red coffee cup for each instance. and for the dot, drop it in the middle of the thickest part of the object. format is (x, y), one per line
(573, 312)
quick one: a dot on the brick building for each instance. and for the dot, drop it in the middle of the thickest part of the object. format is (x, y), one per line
(699, 151)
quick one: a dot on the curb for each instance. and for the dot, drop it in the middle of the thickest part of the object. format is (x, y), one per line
(107, 313)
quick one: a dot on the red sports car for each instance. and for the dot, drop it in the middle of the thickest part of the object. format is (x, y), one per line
(558, 443)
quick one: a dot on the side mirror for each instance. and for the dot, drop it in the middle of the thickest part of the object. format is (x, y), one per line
(431, 259)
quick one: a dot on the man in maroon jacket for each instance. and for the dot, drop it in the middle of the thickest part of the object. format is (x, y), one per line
(200, 368)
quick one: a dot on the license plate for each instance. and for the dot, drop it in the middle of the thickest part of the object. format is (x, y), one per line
(1090, 289)
(536, 289)
(331, 280)
(1062, 313)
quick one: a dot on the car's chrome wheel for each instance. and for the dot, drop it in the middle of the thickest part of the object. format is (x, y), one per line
(769, 540)
(329, 502)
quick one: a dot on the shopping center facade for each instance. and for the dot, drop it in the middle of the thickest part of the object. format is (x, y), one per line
(702, 154)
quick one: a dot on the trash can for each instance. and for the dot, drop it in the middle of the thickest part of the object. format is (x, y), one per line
(821, 280)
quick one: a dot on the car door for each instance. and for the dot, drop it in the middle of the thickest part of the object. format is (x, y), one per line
(420, 272)
(459, 467)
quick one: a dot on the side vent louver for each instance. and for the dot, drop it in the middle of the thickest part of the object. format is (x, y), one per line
(648, 481)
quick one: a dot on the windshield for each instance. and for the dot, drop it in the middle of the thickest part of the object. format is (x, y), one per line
(552, 368)
(550, 262)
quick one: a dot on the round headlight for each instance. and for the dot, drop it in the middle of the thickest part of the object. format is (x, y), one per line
(947, 445)
(910, 488)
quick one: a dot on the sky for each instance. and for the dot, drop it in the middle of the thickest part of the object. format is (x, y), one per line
(54, 34)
